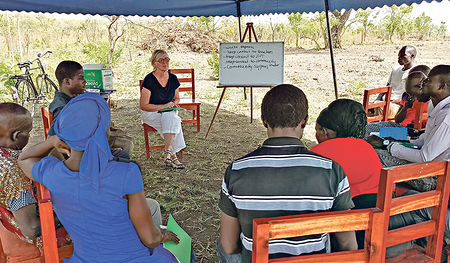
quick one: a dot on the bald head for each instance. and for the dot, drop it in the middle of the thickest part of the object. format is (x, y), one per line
(15, 125)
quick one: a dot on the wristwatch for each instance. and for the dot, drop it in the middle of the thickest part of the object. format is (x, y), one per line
(386, 142)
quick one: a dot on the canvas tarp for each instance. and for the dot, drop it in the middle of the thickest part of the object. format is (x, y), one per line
(190, 7)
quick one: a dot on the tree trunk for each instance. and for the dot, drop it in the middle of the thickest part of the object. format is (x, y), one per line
(113, 36)
(338, 30)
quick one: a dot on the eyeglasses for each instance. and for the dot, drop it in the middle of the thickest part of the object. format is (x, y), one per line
(163, 60)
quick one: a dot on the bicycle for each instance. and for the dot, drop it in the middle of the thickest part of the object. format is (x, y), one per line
(29, 93)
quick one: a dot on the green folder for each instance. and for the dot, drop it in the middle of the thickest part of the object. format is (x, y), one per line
(170, 109)
(181, 250)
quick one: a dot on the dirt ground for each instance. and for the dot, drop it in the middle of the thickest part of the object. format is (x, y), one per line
(191, 195)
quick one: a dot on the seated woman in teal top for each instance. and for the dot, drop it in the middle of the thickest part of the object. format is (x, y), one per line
(100, 201)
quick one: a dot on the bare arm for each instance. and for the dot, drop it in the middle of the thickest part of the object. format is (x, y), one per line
(401, 114)
(229, 234)
(29, 157)
(346, 240)
(28, 221)
(141, 216)
(176, 98)
(146, 106)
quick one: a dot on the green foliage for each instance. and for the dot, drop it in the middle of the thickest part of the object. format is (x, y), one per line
(356, 86)
(209, 23)
(6, 84)
(365, 18)
(97, 52)
(422, 24)
(394, 21)
(214, 63)
(140, 69)
(442, 31)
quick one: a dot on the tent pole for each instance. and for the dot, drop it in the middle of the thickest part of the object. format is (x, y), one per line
(330, 43)
(238, 3)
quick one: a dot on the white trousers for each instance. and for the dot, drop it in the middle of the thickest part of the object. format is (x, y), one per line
(167, 122)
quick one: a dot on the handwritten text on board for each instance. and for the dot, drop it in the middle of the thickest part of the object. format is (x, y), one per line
(251, 63)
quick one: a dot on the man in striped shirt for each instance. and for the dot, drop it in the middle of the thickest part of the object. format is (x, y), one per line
(281, 178)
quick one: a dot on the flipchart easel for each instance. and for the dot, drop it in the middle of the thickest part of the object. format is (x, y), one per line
(250, 31)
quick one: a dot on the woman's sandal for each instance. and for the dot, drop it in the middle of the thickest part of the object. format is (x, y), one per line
(178, 165)
(168, 160)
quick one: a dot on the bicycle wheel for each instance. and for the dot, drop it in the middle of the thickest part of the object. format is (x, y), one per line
(46, 87)
(27, 97)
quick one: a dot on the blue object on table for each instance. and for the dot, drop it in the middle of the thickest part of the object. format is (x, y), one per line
(398, 133)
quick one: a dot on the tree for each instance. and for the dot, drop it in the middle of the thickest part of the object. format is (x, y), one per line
(422, 24)
(338, 27)
(393, 22)
(114, 34)
(295, 20)
(209, 23)
(275, 28)
(365, 18)
(443, 29)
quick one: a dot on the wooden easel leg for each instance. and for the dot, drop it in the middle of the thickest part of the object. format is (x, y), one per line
(251, 104)
(217, 108)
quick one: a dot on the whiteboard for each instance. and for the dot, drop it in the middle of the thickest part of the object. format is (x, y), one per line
(251, 64)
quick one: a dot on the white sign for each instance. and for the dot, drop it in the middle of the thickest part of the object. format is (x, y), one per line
(251, 64)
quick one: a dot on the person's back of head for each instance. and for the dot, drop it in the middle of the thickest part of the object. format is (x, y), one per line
(284, 106)
(82, 125)
(345, 117)
(15, 126)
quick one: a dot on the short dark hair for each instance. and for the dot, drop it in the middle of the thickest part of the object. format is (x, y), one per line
(13, 108)
(443, 71)
(422, 68)
(346, 117)
(67, 69)
(284, 106)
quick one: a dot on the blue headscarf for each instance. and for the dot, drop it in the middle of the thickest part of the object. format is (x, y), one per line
(82, 124)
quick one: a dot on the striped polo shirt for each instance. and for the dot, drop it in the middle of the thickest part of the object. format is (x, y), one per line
(282, 178)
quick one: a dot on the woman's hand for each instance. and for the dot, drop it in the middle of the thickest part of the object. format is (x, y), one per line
(170, 104)
(169, 236)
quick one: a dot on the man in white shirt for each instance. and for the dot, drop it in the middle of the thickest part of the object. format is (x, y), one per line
(398, 76)
(434, 144)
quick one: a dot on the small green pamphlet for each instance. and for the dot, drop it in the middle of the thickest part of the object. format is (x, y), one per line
(181, 250)
(170, 109)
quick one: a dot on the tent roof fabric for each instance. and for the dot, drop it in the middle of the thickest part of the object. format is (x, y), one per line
(190, 7)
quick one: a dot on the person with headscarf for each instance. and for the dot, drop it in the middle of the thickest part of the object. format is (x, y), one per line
(100, 201)
(339, 130)
(158, 103)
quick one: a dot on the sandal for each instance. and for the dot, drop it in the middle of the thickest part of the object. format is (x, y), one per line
(178, 165)
(168, 160)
